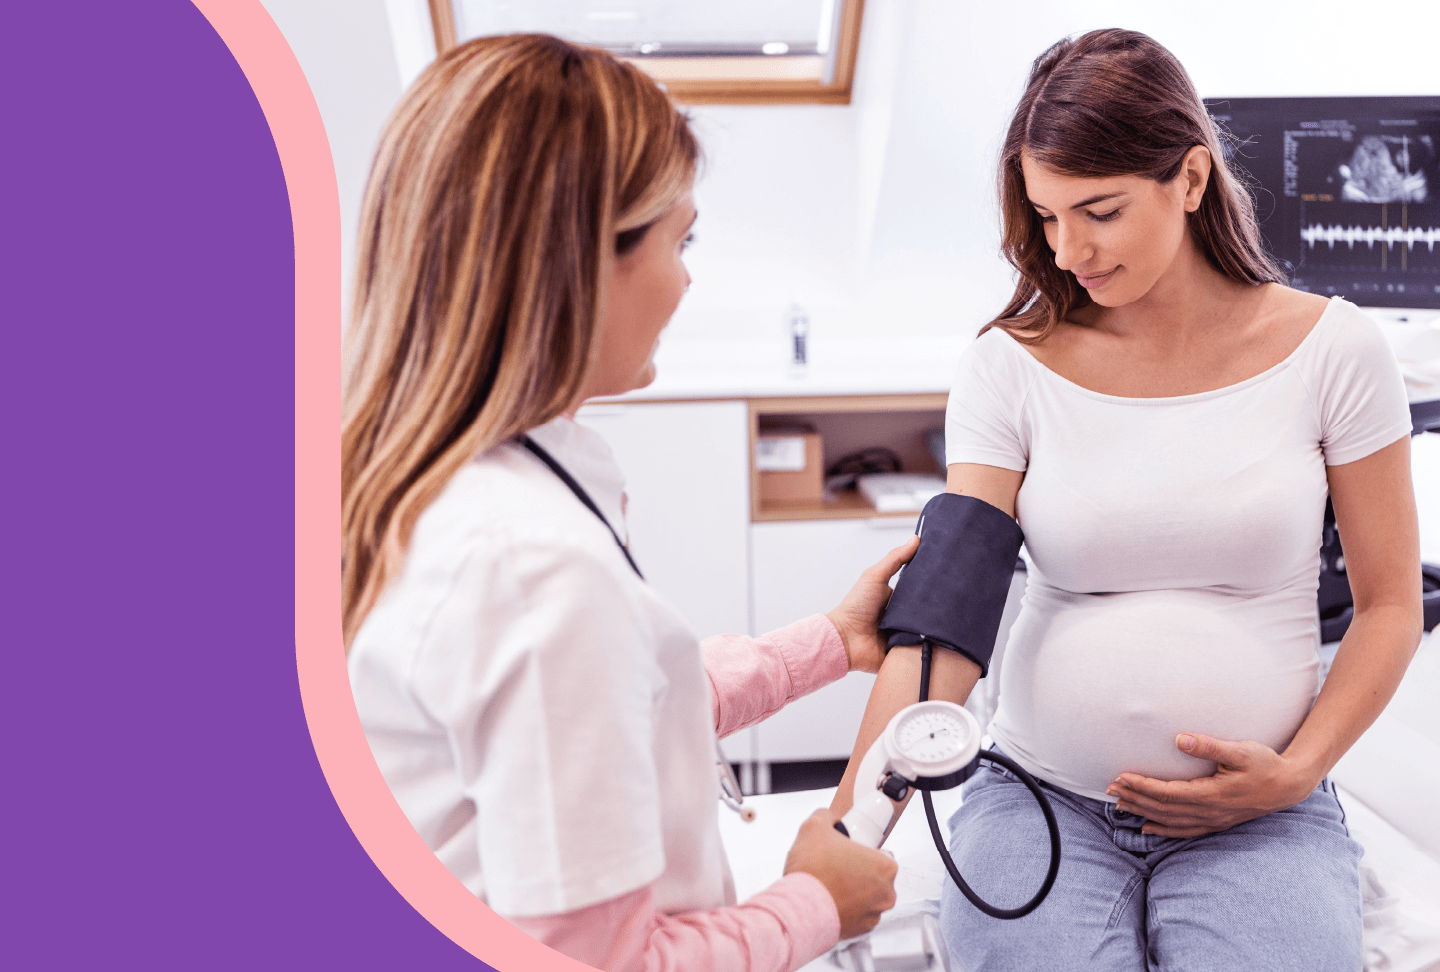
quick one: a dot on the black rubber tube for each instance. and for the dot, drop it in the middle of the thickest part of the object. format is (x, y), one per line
(1051, 824)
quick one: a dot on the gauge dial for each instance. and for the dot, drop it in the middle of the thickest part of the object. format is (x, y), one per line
(930, 737)
(934, 738)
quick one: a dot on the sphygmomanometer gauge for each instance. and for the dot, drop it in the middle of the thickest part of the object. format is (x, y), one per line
(932, 739)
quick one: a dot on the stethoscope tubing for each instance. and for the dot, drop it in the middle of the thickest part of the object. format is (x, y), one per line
(580, 494)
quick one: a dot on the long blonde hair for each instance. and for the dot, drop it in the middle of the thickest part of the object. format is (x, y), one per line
(503, 182)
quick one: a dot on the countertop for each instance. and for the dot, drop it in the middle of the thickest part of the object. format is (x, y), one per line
(749, 368)
(760, 369)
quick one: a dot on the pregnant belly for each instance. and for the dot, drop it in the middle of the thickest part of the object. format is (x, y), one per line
(1096, 685)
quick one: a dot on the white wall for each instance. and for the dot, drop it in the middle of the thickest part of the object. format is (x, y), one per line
(346, 51)
(947, 75)
(880, 216)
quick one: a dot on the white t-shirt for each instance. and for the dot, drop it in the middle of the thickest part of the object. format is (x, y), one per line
(525, 693)
(1174, 545)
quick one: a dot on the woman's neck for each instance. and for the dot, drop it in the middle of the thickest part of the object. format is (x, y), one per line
(1191, 298)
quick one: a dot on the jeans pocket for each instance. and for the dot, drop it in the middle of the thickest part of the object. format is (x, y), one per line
(1003, 771)
(1334, 792)
(987, 775)
(1322, 805)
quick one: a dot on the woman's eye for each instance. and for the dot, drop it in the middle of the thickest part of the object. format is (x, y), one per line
(1046, 219)
(1105, 217)
(689, 239)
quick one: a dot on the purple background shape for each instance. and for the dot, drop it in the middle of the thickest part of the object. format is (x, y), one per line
(163, 807)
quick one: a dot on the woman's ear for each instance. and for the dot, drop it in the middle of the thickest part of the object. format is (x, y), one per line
(1195, 170)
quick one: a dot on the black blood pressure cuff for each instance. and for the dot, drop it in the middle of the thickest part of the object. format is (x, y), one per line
(952, 593)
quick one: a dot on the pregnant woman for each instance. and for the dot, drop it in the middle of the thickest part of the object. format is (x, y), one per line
(1164, 417)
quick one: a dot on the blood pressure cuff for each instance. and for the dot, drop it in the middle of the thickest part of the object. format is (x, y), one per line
(952, 593)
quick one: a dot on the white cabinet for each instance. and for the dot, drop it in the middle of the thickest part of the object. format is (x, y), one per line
(688, 483)
(687, 473)
(805, 567)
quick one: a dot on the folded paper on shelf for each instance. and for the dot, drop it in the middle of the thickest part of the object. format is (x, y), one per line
(899, 492)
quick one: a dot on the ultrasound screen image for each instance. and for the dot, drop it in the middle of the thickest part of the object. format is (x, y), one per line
(1379, 170)
(1347, 191)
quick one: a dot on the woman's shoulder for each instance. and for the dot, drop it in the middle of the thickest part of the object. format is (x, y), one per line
(998, 353)
(1342, 334)
(1293, 310)
(1350, 370)
(996, 370)
(495, 539)
(502, 500)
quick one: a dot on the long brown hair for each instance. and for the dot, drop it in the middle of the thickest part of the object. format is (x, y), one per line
(503, 183)
(1113, 102)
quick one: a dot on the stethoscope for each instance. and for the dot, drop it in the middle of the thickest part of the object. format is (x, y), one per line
(729, 787)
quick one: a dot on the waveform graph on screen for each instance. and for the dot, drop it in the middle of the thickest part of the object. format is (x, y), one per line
(1370, 235)
(1396, 241)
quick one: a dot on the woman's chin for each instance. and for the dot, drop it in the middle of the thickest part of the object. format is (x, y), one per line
(617, 385)
(645, 378)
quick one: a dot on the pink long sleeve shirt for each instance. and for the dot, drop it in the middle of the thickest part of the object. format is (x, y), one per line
(780, 929)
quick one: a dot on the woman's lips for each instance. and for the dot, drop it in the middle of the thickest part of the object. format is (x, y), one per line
(1092, 280)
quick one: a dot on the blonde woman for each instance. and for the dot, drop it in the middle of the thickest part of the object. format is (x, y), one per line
(544, 719)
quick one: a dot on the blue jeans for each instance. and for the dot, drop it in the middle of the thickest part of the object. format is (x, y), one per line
(1276, 893)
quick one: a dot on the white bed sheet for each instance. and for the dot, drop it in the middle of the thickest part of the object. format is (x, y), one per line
(1401, 882)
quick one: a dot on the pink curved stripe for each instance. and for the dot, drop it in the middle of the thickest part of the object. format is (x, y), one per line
(345, 757)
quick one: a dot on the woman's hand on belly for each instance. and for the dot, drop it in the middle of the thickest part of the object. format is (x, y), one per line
(1250, 780)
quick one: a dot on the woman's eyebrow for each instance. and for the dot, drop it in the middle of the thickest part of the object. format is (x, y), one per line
(1085, 202)
(1096, 199)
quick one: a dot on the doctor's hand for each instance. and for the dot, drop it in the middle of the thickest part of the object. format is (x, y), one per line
(1250, 780)
(861, 880)
(858, 615)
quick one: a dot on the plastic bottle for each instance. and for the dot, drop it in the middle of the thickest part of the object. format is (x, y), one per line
(797, 324)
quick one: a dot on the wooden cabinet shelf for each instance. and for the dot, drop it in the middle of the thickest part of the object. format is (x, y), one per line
(847, 423)
(845, 506)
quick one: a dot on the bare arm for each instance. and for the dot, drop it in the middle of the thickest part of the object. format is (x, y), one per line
(952, 676)
(1374, 502)
(1375, 510)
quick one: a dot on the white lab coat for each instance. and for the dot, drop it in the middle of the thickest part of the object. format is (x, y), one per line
(525, 695)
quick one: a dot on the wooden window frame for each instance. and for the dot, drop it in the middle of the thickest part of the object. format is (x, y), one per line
(725, 91)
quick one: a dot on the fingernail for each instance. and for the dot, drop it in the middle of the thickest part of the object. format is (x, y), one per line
(1111, 792)
(1187, 741)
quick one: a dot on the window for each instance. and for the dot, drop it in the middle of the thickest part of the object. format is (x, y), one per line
(731, 52)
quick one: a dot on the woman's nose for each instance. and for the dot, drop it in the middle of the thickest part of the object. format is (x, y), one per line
(1071, 248)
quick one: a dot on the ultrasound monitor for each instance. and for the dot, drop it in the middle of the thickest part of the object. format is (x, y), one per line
(1347, 191)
